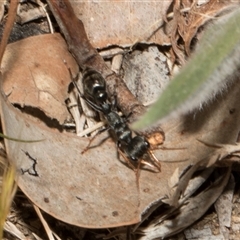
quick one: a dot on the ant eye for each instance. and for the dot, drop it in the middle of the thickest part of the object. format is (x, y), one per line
(147, 144)
(134, 159)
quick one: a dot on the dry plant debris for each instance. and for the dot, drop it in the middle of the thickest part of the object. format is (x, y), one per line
(35, 84)
(96, 190)
(187, 19)
(134, 21)
(146, 73)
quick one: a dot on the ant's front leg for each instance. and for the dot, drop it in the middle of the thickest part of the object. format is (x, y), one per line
(119, 146)
(155, 160)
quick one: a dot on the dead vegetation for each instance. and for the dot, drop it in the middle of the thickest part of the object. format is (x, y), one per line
(69, 195)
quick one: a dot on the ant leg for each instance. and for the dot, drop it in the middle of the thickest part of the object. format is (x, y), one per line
(137, 174)
(155, 160)
(136, 171)
(92, 139)
(166, 148)
(127, 161)
(151, 165)
(89, 143)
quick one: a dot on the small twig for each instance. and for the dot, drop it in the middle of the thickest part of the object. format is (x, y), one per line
(8, 27)
(48, 230)
(43, 6)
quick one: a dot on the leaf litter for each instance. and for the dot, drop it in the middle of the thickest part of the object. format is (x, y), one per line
(57, 167)
(188, 17)
(35, 84)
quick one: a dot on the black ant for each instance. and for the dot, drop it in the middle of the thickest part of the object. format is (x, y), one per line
(131, 148)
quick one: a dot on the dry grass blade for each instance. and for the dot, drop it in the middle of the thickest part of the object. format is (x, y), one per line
(8, 185)
(37, 237)
(49, 232)
(8, 189)
(13, 230)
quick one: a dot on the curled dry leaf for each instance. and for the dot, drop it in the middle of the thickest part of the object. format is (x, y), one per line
(36, 76)
(28, 12)
(189, 212)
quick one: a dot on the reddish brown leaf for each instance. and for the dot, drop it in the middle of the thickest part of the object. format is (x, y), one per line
(36, 76)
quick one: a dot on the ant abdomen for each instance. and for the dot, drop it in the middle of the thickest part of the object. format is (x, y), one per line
(94, 85)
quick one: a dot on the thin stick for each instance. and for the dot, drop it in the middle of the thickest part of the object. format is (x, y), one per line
(44, 223)
(9, 25)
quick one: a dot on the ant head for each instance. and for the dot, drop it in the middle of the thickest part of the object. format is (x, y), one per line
(137, 148)
(141, 142)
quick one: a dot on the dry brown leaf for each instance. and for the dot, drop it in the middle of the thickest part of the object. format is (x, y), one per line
(93, 190)
(122, 22)
(97, 184)
(35, 74)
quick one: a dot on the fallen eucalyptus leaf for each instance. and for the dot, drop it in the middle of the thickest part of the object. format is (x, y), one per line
(42, 81)
(133, 21)
(59, 179)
